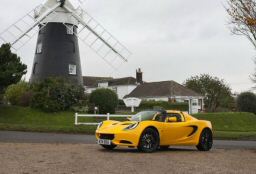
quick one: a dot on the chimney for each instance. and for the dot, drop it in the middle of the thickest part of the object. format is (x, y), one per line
(139, 76)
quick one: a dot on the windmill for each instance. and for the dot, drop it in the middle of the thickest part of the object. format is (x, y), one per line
(59, 24)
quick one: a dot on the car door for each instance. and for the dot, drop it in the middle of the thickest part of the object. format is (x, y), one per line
(175, 132)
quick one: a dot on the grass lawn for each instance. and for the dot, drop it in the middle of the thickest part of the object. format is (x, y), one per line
(226, 125)
(27, 119)
(232, 125)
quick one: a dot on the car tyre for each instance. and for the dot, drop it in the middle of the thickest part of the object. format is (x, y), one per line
(205, 141)
(109, 147)
(149, 141)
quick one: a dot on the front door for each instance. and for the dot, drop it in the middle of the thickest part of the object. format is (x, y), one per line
(175, 132)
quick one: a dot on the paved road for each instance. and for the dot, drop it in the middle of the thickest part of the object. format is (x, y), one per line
(28, 137)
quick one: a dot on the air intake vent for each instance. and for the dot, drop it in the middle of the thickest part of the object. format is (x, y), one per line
(125, 142)
(107, 136)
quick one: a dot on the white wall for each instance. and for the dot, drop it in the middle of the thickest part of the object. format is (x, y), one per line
(156, 99)
(124, 90)
(120, 90)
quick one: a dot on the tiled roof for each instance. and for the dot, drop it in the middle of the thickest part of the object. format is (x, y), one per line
(94, 81)
(161, 89)
(122, 81)
(91, 81)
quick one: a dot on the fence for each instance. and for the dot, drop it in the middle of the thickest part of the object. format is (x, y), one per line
(107, 116)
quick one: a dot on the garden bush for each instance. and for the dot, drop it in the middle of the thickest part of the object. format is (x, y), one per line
(105, 99)
(18, 94)
(246, 102)
(56, 94)
(163, 105)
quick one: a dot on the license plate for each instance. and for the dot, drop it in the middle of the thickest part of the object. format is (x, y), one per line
(104, 142)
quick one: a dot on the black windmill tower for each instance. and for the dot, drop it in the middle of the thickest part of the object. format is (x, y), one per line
(59, 24)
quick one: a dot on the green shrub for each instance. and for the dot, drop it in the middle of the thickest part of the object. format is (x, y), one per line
(11, 68)
(56, 94)
(26, 98)
(246, 102)
(121, 103)
(163, 105)
(105, 99)
(18, 94)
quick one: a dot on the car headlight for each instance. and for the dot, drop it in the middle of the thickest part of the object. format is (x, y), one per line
(99, 125)
(132, 126)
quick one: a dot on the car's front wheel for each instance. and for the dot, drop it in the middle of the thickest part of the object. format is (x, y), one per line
(109, 147)
(205, 141)
(149, 141)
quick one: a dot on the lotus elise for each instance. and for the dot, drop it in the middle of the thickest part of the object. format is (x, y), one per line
(153, 130)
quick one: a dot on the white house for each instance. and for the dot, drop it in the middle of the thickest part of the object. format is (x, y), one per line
(122, 86)
(169, 91)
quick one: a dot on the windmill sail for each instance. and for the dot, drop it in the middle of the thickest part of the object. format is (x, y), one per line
(19, 33)
(99, 39)
(59, 23)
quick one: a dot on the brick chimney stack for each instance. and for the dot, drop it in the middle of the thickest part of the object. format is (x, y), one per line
(139, 76)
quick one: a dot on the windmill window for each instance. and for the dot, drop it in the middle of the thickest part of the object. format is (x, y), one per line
(34, 68)
(72, 69)
(70, 29)
(39, 48)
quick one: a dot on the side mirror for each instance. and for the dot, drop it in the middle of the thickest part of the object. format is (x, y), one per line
(172, 119)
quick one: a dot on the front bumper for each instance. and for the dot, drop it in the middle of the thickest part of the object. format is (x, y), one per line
(124, 138)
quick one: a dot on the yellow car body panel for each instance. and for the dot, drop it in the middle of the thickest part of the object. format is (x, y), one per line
(185, 132)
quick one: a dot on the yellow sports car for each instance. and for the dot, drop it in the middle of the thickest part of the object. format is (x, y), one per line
(151, 130)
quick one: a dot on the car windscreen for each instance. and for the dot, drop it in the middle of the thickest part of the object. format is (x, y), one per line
(145, 115)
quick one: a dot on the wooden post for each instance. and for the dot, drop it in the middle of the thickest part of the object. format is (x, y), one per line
(76, 118)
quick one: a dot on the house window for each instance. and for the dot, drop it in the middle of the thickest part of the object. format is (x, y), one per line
(70, 29)
(39, 48)
(194, 103)
(200, 102)
(72, 69)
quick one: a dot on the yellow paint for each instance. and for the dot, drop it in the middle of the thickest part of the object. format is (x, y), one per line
(170, 133)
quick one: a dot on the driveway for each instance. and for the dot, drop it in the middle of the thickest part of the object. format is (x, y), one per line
(28, 137)
(34, 158)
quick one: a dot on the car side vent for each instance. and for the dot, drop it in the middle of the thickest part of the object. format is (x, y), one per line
(126, 124)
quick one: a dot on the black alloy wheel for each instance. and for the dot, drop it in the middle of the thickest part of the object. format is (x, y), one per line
(149, 141)
(205, 141)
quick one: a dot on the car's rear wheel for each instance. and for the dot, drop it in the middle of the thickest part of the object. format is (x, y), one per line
(109, 147)
(149, 141)
(205, 141)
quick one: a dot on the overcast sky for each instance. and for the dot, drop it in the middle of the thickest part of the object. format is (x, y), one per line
(169, 39)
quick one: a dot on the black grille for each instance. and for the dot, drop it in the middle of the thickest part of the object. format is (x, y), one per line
(107, 136)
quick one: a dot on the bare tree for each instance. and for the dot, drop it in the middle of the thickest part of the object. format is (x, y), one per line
(243, 18)
(253, 77)
(243, 21)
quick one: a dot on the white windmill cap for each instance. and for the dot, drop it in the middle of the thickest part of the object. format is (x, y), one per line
(51, 3)
(60, 15)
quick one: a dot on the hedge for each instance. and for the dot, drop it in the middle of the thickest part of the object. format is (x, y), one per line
(163, 105)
